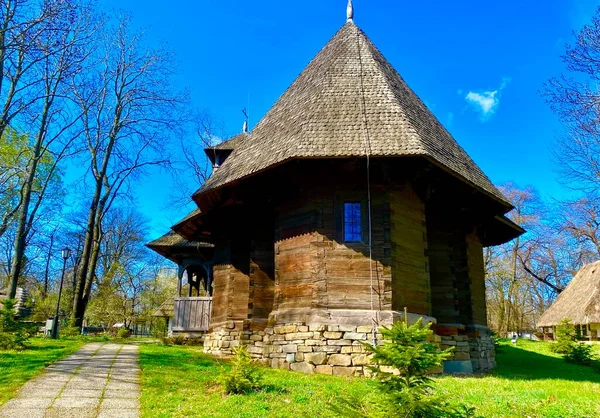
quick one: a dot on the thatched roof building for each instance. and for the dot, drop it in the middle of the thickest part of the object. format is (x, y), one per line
(166, 309)
(579, 302)
(21, 309)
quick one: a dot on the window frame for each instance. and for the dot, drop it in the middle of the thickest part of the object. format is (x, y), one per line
(359, 222)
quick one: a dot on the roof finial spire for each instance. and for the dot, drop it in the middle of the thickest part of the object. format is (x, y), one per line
(350, 12)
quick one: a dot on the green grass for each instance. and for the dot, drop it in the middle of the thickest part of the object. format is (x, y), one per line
(529, 381)
(180, 381)
(17, 367)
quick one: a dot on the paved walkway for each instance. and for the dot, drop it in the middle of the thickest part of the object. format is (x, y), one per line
(100, 380)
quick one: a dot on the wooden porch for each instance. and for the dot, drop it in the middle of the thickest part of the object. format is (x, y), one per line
(191, 314)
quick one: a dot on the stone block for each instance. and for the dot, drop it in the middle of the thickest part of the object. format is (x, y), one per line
(458, 367)
(333, 327)
(324, 370)
(277, 355)
(317, 327)
(355, 336)
(315, 342)
(302, 367)
(327, 349)
(346, 350)
(255, 350)
(290, 348)
(340, 360)
(303, 328)
(256, 337)
(347, 328)
(345, 371)
(285, 329)
(290, 357)
(304, 349)
(368, 329)
(462, 356)
(316, 358)
(269, 331)
(361, 359)
(299, 357)
(339, 342)
(332, 335)
(279, 364)
(298, 335)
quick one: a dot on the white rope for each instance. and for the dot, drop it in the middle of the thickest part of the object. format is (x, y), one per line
(367, 143)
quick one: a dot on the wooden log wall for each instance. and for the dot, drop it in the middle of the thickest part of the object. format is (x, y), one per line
(231, 288)
(450, 272)
(477, 276)
(410, 265)
(261, 274)
(316, 270)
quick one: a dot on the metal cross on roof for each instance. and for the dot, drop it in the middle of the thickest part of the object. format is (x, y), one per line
(350, 12)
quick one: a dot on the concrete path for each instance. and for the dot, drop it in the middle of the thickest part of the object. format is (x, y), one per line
(100, 380)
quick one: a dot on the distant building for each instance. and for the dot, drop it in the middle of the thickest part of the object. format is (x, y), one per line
(21, 309)
(347, 203)
(579, 302)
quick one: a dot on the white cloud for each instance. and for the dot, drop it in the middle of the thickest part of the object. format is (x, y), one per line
(486, 102)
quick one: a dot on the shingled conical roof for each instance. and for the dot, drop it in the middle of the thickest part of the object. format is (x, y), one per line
(348, 89)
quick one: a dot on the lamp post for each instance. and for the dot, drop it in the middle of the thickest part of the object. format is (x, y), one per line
(66, 253)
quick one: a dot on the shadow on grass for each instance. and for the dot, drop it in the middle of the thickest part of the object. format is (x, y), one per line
(514, 362)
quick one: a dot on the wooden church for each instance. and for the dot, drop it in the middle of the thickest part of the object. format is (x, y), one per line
(346, 204)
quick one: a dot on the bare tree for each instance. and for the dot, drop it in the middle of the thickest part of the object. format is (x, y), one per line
(525, 275)
(576, 99)
(129, 113)
(191, 167)
(46, 51)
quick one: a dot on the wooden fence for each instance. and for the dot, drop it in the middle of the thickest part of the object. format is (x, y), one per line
(192, 314)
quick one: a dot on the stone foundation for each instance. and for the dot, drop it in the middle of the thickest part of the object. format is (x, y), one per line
(337, 349)
(482, 349)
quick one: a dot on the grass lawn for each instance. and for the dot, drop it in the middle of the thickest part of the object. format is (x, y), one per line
(530, 381)
(17, 367)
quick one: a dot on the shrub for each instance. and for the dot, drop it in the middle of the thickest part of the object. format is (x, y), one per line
(580, 354)
(123, 333)
(566, 337)
(401, 366)
(13, 334)
(244, 376)
(69, 331)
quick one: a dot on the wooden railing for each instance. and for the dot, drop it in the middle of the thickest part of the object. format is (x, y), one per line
(192, 314)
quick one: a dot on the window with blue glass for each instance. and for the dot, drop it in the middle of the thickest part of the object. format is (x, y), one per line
(352, 222)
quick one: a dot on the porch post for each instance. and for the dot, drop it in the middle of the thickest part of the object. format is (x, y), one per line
(190, 277)
(179, 286)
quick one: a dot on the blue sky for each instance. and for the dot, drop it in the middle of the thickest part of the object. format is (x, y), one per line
(478, 65)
